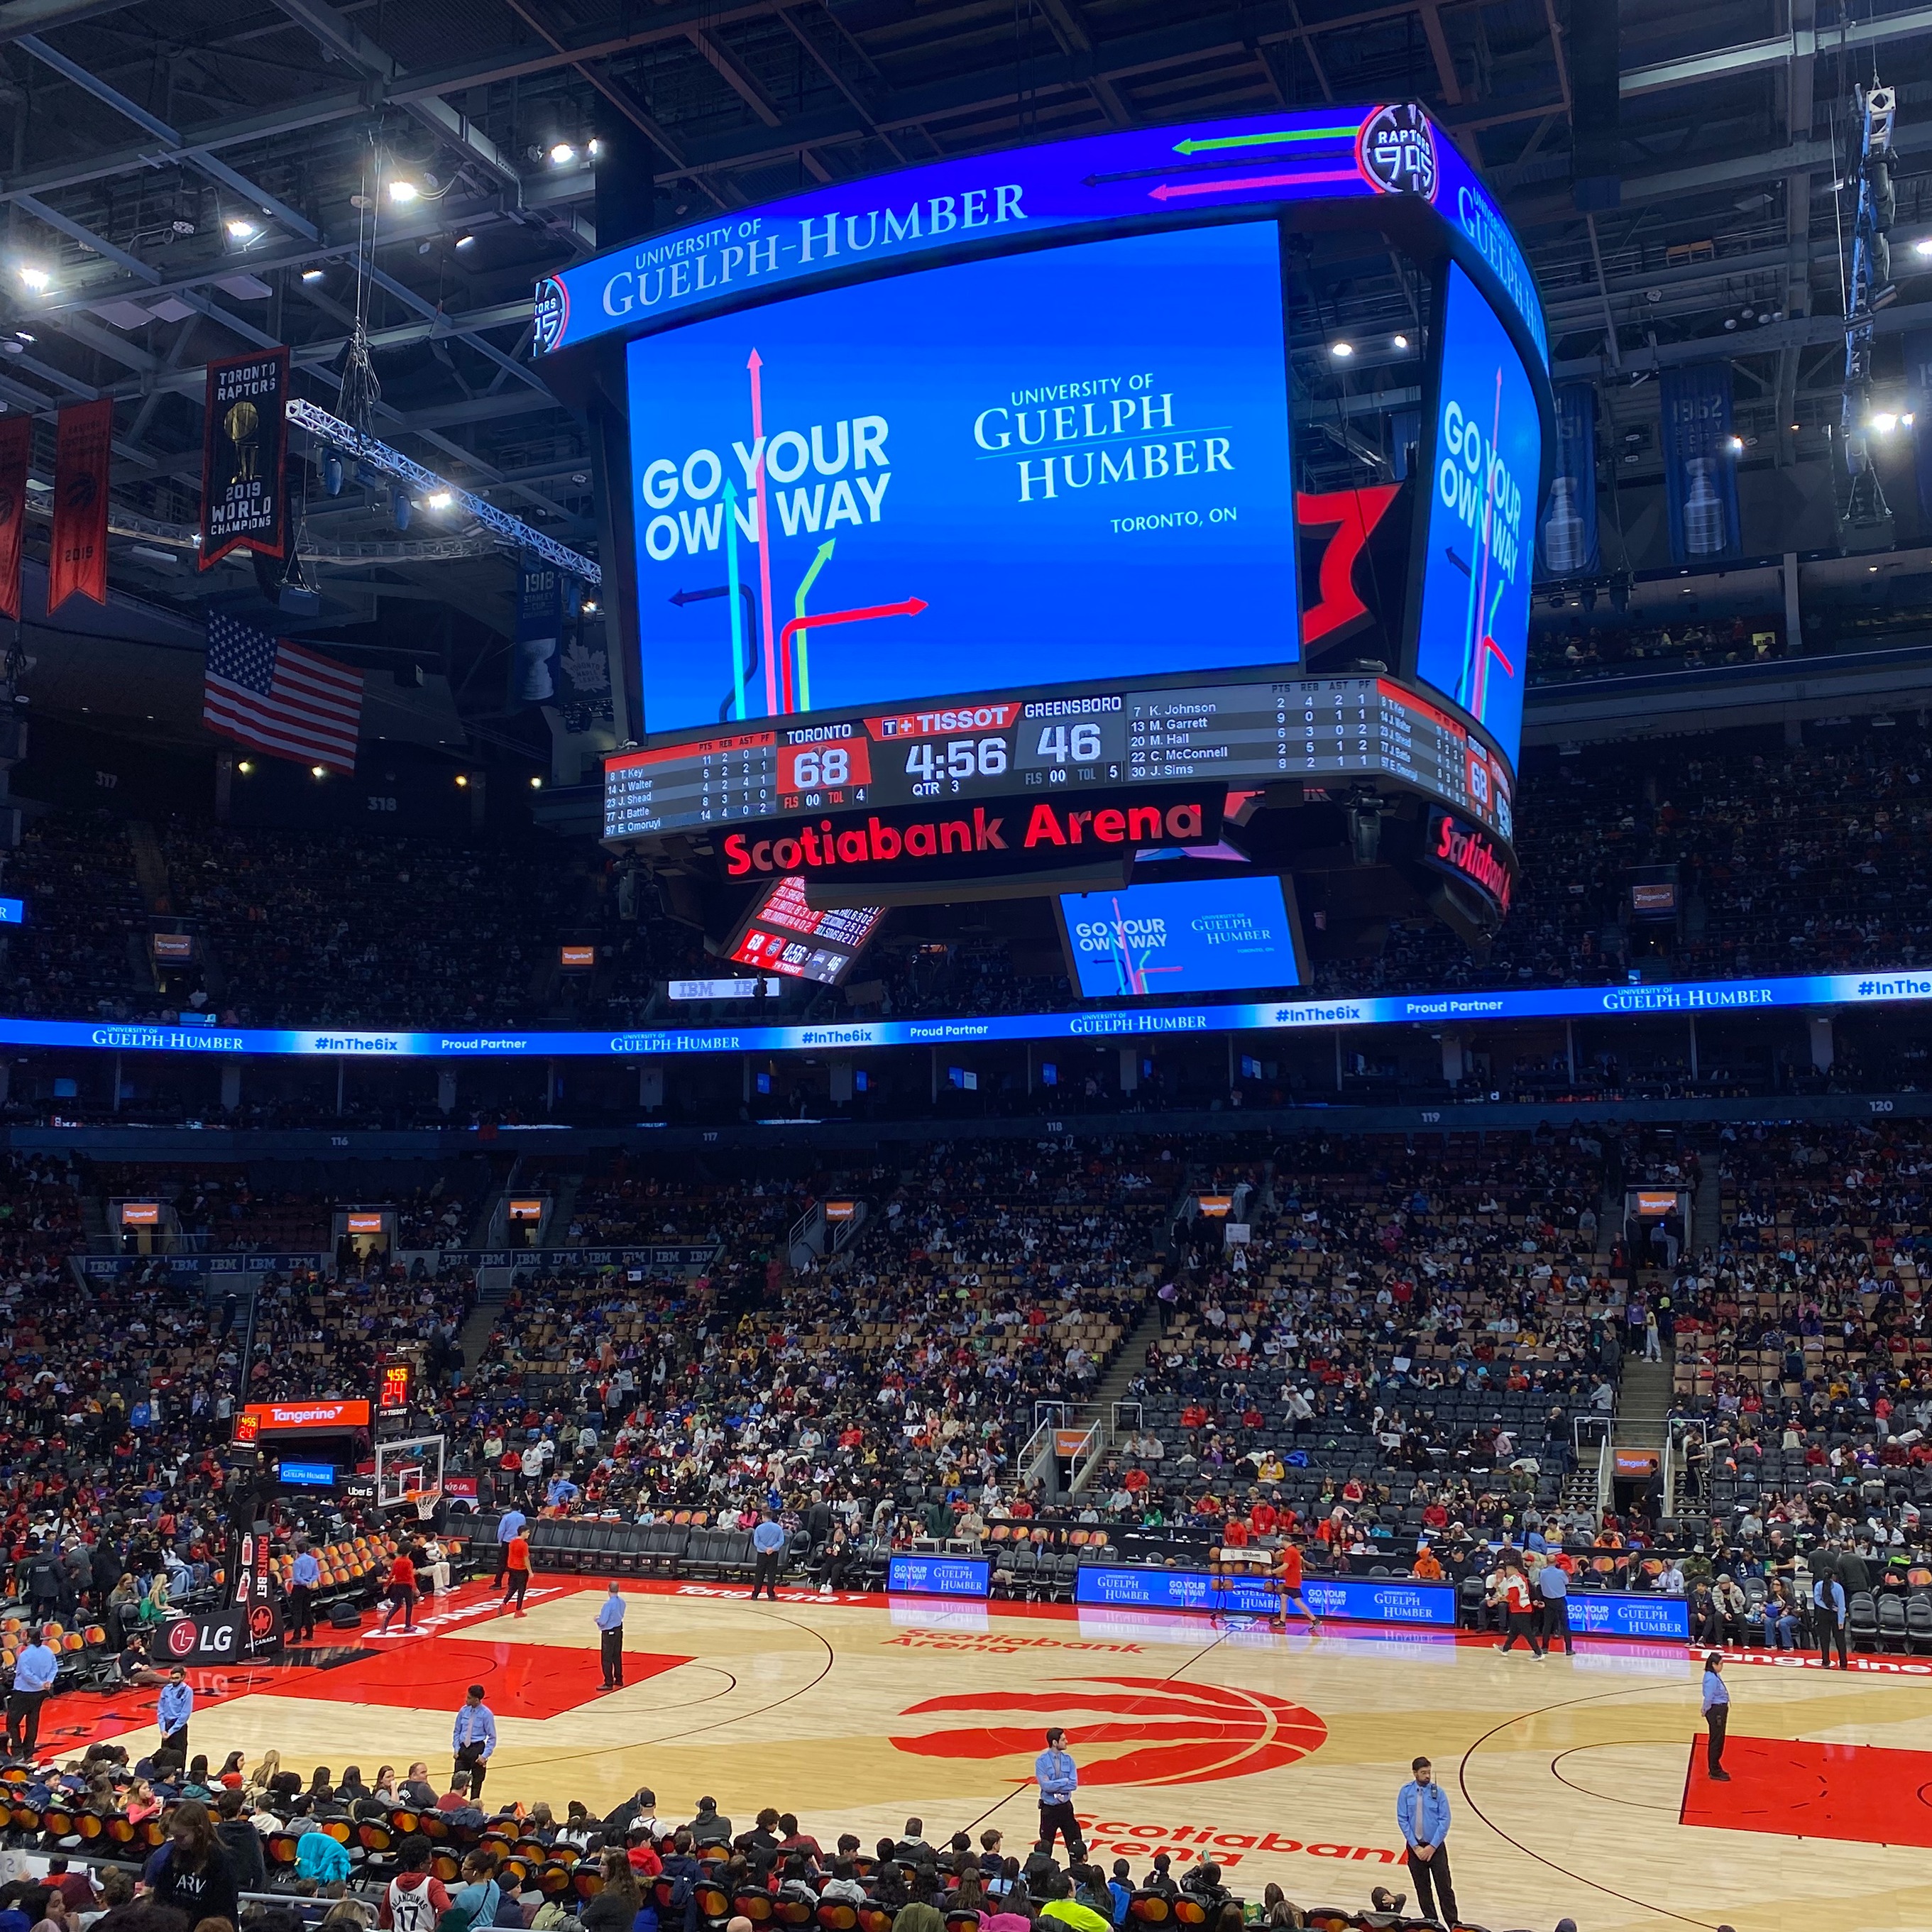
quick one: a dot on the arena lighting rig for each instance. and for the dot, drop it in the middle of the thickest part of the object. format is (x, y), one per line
(965, 549)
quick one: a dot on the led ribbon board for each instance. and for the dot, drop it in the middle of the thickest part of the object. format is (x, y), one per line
(916, 215)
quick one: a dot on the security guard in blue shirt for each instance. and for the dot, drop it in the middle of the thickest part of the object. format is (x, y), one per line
(1422, 1811)
(304, 1575)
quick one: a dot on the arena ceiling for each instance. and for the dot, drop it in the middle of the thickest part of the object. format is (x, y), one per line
(185, 180)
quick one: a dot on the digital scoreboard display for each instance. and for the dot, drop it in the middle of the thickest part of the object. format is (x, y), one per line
(1077, 457)
(1316, 730)
(962, 523)
(1226, 935)
(1473, 627)
(783, 934)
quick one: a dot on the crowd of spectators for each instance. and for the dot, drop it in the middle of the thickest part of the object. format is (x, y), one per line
(1399, 1344)
(1786, 858)
(1566, 651)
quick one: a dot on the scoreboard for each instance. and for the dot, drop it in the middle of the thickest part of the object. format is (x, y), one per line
(1319, 731)
(911, 610)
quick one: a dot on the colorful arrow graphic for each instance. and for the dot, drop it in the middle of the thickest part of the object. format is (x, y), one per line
(818, 563)
(732, 585)
(910, 607)
(1266, 140)
(1168, 191)
(754, 362)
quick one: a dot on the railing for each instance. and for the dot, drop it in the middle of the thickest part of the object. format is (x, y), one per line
(1606, 1491)
(805, 1240)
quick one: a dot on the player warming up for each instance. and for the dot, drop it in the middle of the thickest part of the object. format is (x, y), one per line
(1288, 1585)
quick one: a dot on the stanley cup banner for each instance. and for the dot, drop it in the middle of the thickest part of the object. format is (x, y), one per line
(1566, 541)
(16, 450)
(1700, 475)
(244, 440)
(77, 561)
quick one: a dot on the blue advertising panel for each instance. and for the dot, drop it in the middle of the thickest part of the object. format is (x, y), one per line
(1009, 199)
(938, 1576)
(307, 1475)
(1472, 632)
(12, 912)
(1896, 986)
(1067, 464)
(1194, 936)
(1347, 1599)
(1614, 1613)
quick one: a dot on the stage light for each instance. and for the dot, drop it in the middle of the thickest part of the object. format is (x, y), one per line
(245, 767)
(1735, 444)
(563, 154)
(462, 780)
(404, 192)
(313, 275)
(239, 230)
(465, 241)
(318, 771)
(1923, 246)
(37, 280)
(1884, 421)
(438, 499)
(1401, 341)
(1342, 351)
(536, 784)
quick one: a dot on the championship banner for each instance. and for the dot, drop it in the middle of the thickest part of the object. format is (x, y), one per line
(78, 561)
(245, 442)
(1918, 400)
(16, 450)
(1566, 541)
(1700, 477)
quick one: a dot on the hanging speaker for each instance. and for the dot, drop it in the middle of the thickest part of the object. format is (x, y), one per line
(1596, 158)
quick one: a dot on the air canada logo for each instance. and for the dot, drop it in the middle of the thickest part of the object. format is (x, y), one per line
(551, 314)
(1129, 1730)
(1395, 152)
(261, 1623)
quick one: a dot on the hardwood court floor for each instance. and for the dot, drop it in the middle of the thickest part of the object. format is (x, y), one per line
(1576, 1784)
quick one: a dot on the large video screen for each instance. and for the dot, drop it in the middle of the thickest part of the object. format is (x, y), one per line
(1473, 632)
(1192, 936)
(1037, 468)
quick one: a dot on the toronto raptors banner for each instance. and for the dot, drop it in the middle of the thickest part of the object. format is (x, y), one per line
(78, 561)
(244, 440)
(16, 450)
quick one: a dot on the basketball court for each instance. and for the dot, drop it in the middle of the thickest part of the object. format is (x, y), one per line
(1577, 1784)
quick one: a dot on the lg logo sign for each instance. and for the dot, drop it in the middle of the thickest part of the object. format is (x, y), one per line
(215, 1638)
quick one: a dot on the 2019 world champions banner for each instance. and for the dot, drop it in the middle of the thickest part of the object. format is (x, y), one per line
(1689, 998)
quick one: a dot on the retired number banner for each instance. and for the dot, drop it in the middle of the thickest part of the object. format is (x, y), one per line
(244, 441)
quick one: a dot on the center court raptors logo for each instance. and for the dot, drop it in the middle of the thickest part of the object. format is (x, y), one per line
(1158, 1732)
(1395, 152)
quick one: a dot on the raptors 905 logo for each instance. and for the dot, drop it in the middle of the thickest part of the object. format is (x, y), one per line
(1395, 152)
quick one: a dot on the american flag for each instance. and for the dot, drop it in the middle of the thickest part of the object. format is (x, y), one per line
(267, 692)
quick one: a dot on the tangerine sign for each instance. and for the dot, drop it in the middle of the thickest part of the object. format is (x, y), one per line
(1153, 1731)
